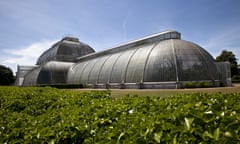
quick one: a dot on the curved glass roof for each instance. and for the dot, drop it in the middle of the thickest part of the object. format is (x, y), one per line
(160, 61)
(66, 50)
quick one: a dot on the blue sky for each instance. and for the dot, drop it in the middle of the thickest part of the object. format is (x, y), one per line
(29, 27)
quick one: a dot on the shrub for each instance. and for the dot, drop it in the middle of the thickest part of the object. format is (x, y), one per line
(199, 84)
(49, 115)
(63, 86)
(236, 79)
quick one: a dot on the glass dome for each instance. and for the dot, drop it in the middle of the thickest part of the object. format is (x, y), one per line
(66, 50)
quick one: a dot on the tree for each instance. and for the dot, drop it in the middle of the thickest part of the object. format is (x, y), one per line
(6, 76)
(230, 57)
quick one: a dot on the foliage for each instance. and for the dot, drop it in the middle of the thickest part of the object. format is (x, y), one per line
(63, 86)
(230, 57)
(6, 76)
(49, 115)
(197, 84)
(236, 79)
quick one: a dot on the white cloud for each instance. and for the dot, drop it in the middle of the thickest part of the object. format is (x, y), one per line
(34, 49)
(29, 54)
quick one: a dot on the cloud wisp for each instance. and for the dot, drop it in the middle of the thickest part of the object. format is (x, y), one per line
(228, 39)
(29, 54)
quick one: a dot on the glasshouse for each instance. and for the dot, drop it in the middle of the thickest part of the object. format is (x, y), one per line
(161, 60)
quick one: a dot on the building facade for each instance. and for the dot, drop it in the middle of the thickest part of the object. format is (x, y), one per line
(161, 60)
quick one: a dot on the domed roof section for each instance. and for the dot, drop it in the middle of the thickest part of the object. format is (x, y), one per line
(179, 60)
(66, 50)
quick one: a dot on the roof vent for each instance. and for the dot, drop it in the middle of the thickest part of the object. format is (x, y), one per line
(68, 38)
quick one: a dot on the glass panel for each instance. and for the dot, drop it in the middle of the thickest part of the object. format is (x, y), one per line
(96, 70)
(190, 63)
(74, 73)
(71, 74)
(119, 68)
(85, 73)
(167, 36)
(79, 69)
(161, 64)
(31, 78)
(174, 35)
(136, 65)
(48, 55)
(44, 77)
(210, 62)
(104, 76)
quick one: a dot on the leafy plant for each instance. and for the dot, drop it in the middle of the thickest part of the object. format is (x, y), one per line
(49, 115)
(198, 84)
